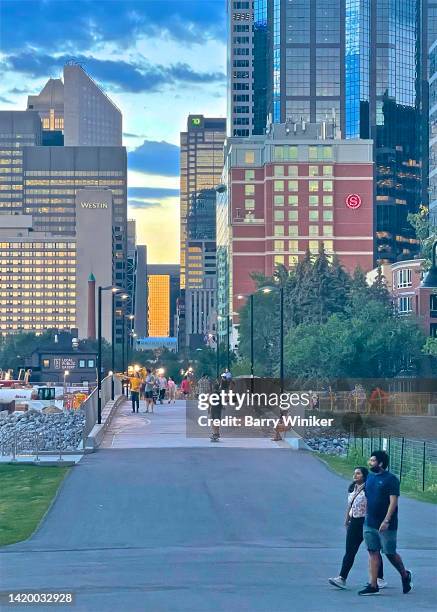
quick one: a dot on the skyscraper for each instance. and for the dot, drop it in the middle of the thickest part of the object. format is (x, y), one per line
(79, 109)
(433, 133)
(359, 62)
(162, 292)
(201, 169)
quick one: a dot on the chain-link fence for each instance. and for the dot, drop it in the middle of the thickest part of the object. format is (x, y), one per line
(414, 462)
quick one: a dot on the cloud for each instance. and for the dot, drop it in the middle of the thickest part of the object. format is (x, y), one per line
(129, 135)
(144, 204)
(87, 24)
(152, 193)
(5, 100)
(155, 158)
(123, 76)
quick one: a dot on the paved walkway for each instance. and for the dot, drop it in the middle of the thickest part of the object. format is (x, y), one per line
(209, 530)
(166, 428)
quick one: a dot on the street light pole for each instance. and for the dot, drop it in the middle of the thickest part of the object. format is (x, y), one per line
(228, 333)
(251, 343)
(281, 338)
(217, 351)
(113, 344)
(99, 356)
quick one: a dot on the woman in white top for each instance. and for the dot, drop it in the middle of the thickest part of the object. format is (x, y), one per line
(354, 521)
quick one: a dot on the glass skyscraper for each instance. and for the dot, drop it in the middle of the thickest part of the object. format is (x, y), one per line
(362, 63)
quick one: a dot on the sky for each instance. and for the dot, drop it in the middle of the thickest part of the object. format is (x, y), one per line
(158, 60)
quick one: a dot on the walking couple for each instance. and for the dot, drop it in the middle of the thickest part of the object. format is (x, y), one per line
(372, 515)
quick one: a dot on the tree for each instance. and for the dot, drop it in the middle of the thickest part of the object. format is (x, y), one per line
(425, 233)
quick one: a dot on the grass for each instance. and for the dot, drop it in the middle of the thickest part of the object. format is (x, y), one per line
(26, 494)
(344, 466)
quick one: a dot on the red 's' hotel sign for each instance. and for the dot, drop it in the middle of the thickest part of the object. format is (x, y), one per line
(353, 201)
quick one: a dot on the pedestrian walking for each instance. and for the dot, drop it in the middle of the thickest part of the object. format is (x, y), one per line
(204, 385)
(185, 387)
(381, 522)
(149, 383)
(135, 384)
(223, 384)
(171, 390)
(162, 386)
(354, 522)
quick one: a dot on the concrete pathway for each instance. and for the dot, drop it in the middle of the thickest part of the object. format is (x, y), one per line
(166, 428)
(209, 530)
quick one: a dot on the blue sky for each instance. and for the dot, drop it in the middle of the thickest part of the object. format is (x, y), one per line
(159, 60)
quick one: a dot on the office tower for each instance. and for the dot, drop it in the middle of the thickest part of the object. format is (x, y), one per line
(285, 192)
(432, 22)
(37, 278)
(136, 281)
(163, 285)
(18, 129)
(433, 133)
(359, 62)
(77, 108)
(201, 167)
(49, 104)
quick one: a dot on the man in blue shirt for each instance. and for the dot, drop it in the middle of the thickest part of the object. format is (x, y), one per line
(381, 522)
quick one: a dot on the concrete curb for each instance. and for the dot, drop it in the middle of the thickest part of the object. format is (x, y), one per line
(97, 433)
(296, 442)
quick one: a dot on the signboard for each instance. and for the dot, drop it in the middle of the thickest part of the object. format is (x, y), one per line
(353, 201)
(64, 363)
(196, 122)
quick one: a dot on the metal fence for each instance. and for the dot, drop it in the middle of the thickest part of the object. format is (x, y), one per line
(414, 462)
(90, 404)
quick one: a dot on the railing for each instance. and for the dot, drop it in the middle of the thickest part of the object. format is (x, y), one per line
(414, 462)
(90, 404)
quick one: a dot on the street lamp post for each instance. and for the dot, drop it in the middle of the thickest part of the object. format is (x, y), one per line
(99, 348)
(281, 330)
(228, 345)
(113, 343)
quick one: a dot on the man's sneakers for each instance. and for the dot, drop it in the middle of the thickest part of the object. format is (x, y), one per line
(407, 585)
(338, 582)
(369, 590)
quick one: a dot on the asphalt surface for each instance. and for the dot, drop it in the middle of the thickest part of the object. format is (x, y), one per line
(209, 530)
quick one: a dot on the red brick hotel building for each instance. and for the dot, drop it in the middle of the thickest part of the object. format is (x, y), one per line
(285, 192)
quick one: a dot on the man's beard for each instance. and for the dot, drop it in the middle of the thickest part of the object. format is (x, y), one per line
(375, 469)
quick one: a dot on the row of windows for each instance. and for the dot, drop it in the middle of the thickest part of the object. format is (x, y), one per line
(293, 215)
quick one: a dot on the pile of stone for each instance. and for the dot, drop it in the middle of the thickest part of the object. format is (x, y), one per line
(330, 446)
(32, 429)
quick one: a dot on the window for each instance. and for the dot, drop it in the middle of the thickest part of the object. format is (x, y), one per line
(313, 171)
(279, 259)
(314, 230)
(249, 157)
(292, 171)
(292, 186)
(404, 278)
(249, 204)
(279, 170)
(327, 185)
(314, 215)
(327, 200)
(313, 185)
(292, 200)
(46, 363)
(279, 186)
(292, 215)
(327, 170)
(249, 190)
(313, 200)
(329, 246)
(327, 215)
(278, 200)
(405, 304)
(249, 175)
(293, 246)
(312, 153)
(327, 230)
(327, 153)
(279, 245)
(82, 363)
(279, 215)
(293, 260)
(314, 246)
(293, 230)
(279, 230)
(285, 153)
(91, 363)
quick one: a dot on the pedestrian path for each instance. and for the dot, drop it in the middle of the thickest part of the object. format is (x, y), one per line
(166, 428)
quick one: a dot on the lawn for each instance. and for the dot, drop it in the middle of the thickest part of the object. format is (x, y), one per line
(345, 466)
(26, 492)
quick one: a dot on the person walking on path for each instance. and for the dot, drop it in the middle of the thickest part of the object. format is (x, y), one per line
(149, 383)
(381, 522)
(171, 390)
(135, 385)
(204, 385)
(223, 384)
(354, 522)
(185, 387)
(162, 385)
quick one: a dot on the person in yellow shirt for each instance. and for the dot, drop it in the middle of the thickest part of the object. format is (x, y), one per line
(135, 385)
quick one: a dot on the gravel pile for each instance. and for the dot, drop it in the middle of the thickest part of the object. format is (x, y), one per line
(53, 431)
(330, 446)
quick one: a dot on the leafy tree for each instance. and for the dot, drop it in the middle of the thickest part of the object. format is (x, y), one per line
(425, 233)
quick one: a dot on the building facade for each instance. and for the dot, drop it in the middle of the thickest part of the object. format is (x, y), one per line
(287, 192)
(161, 303)
(361, 63)
(18, 129)
(37, 278)
(433, 133)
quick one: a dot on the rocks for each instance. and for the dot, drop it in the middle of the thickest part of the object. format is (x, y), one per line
(47, 432)
(336, 446)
